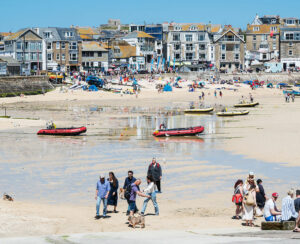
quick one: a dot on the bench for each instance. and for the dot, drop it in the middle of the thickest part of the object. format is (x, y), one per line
(286, 225)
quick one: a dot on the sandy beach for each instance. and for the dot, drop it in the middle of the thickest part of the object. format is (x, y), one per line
(269, 134)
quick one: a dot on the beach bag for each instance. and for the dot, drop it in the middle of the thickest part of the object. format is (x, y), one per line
(249, 199)
(128, 192)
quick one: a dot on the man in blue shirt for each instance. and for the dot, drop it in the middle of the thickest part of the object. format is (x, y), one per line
(102, 191)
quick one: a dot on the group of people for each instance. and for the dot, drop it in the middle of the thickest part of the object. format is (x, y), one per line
(250, 197)
(107, 190)
(289, 96)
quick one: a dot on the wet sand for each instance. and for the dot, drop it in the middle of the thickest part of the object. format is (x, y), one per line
(198, 174)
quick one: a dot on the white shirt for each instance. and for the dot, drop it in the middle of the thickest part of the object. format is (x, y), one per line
(150, 188)
(268, 206)
(288, 208)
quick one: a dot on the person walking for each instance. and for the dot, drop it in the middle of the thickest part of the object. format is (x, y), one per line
(128, 181)
(293, 97)
(151, 191)
(155, 171)
(135, 191)
(238, 198)
(221, 94)
(215, 93)
(113, 193)
(203, 95)
(102, 191)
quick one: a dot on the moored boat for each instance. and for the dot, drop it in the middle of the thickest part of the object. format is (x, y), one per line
(198, 110)
(246, 105)
(63, 131)
(233, 113)
(191, 131)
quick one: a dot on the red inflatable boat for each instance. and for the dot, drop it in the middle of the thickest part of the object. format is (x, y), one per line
(62, 131)
(179, 131)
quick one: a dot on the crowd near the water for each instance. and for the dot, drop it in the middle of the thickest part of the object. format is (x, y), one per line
(107, 191)
(251, 201)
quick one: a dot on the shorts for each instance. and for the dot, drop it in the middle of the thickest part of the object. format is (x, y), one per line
(271, 218)
(239, 204)
(132, 205)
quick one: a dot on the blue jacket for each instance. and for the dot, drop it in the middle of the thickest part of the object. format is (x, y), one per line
(128, 181)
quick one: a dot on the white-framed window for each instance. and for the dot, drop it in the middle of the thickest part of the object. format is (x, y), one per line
(63, 45)
(290, 52)
(176, 47)
(254, 46)
(57, 56)
(49, 56)
(176, 37)
(254, 37)
(290, 21)
(189, 56)
(264, 56)
(193, 28)
(223, 56)
(73, 46)
(202, 47)
(201, 37)
(255, 28)
(274, 28)
(177, 55)
(274, 46)
(63, 56)
(212, 48)
(73, 56)
(202, 56)
(188, 37)
(117, 50)
(264, 37)
(189, 47)
(57, 45)
(237, 47)
(223, 47)
(290, 44)
(47, 34)
(237, 56)
(69, 34)
(212, 55)
(49, 45)
(289, 36)
(177, 27)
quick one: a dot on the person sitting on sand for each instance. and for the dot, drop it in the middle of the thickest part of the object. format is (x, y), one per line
(238, 198)
(271, 213)
(288, 211)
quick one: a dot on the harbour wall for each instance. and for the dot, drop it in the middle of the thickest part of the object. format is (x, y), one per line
(27, 85)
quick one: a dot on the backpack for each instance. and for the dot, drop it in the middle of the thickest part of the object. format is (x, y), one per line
(128, 192)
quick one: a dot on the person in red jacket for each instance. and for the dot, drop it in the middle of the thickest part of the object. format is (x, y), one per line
(155, 171)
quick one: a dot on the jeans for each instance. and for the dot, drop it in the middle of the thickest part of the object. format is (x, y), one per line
(98, 205)
(153, 198)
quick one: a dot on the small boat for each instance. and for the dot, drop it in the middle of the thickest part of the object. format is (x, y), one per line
(233, 113)
(198, 110)
(246, 105)
(191, 131)
(63, 131)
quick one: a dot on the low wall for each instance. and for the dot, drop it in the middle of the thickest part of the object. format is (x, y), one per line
(30, 85)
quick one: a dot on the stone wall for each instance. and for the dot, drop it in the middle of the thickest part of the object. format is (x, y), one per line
(16, 85)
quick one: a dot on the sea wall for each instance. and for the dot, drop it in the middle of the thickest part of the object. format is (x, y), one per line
(28, 85)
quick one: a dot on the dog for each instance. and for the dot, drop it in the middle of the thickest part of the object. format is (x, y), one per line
(133, 221)
(7, 197)
(121, 194)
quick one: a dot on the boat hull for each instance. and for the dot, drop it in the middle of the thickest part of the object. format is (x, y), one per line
(246, 105)
(192, 131)
(63, 131)
(198, 111)
(230, 114)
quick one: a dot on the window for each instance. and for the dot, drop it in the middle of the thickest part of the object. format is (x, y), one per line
(73, 46)
(201, 37)
(177, 55)
(69, 34)
(297, 36)
(99, 54)
(57, 56)
(212, 49)
(264, 56)
(176, 47)
(117, 50)
(212, 56)
(202, 56)
(264, 37)
(193, 28)
(290, 21)
(176, 37)
(254, 37)
(290, 52)
(49, 45)
(254, 46)
(49, 56)
(290, 44)
(236, 56)
(63, 57)
(19, 45)
(57, 45)
(223, 47)
(140, 40)
(237, 47)
(189, 47)
(47, 34)
(274, 46)
(73, 56)
(274, 28)
(289, 36)
(63, 45)
(188, 38)
(177, 27)
(202, 47)
(256, 28)
(189, 56)
(223, 56)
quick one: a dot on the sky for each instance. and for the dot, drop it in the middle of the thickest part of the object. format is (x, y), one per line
(16, 14)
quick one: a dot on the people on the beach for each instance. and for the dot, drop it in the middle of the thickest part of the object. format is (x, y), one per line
(151, 191)
(260, 195)
(132, 199)
(238, 198)
(102, 191)
(297, 209)
(221, 94)
(288, 211)
(249, 204)
(155, 171)
(271, 213)
(128, 181)
(215, 93)
(249, 181)
(113, 193)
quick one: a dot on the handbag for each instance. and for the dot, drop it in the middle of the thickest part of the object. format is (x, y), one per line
(249, 199)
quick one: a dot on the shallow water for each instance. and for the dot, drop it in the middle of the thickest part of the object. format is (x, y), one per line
(65, 169)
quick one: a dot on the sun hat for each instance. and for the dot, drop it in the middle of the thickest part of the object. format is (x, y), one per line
(102, 176)
(251, 173)
(275, 194)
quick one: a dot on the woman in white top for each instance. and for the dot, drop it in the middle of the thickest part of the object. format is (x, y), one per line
(151, 191)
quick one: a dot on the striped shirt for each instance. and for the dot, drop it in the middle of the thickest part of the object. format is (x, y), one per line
(288, 208)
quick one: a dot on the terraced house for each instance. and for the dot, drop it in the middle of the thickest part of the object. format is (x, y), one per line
(229, 49)
(191, 45)
(62, 50)
(25, 46)
(262, 40)
(290, 43)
